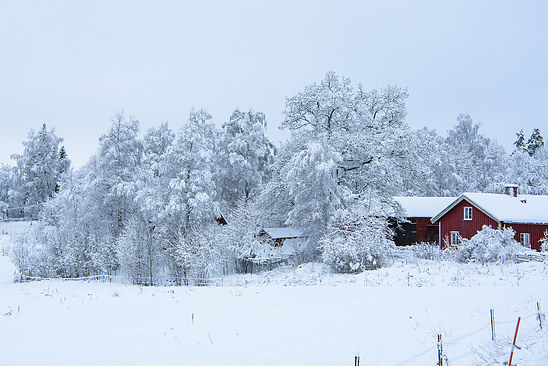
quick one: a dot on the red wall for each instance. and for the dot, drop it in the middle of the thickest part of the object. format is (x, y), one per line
(454, 221)
(536, 232)
(422, 228)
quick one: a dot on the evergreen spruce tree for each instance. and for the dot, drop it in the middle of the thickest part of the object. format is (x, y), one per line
(520, 140)
(535, 142)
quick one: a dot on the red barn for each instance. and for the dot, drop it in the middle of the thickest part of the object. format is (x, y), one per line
(465, 216)
(418, 211)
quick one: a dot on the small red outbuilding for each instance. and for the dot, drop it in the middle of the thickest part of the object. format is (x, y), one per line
(417, 227)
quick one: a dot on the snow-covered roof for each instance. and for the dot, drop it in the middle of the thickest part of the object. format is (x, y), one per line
(266, 252)
(423, 206)
(530, 209)
(283, 232)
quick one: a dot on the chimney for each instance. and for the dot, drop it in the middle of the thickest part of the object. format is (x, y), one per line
(511, 189)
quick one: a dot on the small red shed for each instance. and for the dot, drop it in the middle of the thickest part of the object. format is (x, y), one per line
(418, 211)
(527, 215)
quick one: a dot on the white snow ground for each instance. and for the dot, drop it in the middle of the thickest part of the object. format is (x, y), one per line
(298, 317)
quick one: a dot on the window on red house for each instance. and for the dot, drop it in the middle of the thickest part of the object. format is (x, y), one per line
(525, 239)
(455, 238)
(468, 213)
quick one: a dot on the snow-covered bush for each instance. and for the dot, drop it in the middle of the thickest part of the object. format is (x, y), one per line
(200, 255)
(490, 245)
(544, 242)
(357, 240)
(35, 253)
(432, 251)
(22, 255)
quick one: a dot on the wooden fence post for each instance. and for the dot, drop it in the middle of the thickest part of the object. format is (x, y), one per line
(492, 324)
(539, 315)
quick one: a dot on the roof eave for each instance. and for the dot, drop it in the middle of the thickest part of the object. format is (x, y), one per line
(510, 222)
(456, 202)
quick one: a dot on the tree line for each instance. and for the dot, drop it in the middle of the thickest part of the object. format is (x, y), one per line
(147, 205)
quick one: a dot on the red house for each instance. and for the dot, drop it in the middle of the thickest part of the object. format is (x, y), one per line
(418, 212)
(465, 216)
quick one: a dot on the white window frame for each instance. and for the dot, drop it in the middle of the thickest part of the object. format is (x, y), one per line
(455, 238)
(468, 209)
(525, 239)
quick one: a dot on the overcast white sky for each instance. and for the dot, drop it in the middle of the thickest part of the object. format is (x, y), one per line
(74, 64)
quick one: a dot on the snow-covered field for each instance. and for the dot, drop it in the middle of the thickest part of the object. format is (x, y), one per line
(303, 316)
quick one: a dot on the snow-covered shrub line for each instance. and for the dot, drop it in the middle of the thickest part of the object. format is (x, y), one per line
(431, 251)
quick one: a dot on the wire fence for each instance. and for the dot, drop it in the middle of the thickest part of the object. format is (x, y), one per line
(25, 278)
(533, 321)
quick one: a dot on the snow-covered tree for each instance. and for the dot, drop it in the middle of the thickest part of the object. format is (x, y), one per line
(152, 180)
(85, 243)
(40, 168)
(184, 195)
(312, 181)
(152, 197)
(118, 161)
(6, 186)
(139, 253)
(324, 109)
(344, 140)
(156, 143)
(274, 197)
(362, 126)
(189, 167)
(94, 203)
(493, 169)
(239, 237)
(529, 172)
(464, 161)
(520, 141)
(359, 237)
(473, 162)
(535, 142)
(434, 172)
(468, 147)
(367, 129)
(244, 155)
